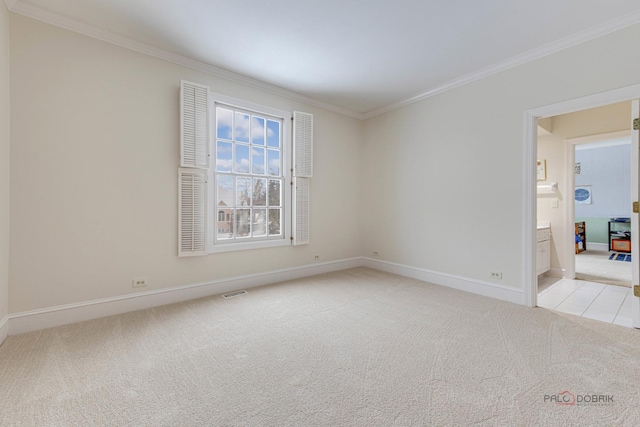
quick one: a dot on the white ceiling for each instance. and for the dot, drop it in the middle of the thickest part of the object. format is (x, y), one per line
(360, 57)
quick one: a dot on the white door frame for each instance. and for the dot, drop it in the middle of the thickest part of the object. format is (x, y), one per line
(635, 232)
(568, 248)
(530, 150)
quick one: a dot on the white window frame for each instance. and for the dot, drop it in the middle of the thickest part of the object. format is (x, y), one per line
(286, 153)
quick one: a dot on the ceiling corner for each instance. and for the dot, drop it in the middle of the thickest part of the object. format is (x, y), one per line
(10, 4)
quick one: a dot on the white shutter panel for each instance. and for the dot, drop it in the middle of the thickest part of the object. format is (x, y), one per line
(303, 144)
(301, 214)
(194, 125)
(192, 184)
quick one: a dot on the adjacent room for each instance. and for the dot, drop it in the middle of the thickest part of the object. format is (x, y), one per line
(587, 156)
(314, 213)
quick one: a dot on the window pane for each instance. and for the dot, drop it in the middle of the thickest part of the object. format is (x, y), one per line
(224, 124)
(225, 224)
(243, 223)
(274, 192)
(259, 222)
(243, 191)
(257, 160)
(242, 158)
(274, 162)
(224, 191)
(259, 192)
(242, 127)
(257, 130)
(273, 134)
(224, 154)
(274, 222)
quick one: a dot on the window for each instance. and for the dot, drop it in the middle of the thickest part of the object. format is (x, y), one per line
(248, 174)
(237, 186)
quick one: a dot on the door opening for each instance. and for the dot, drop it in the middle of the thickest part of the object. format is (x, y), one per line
(531, 200)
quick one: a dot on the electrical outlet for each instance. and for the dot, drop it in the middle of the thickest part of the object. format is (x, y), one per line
(138, 283)
(555, 203)
(496, 275)
(316, 257)
(376, 253)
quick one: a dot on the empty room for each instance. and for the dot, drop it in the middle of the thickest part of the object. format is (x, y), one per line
(304, 213)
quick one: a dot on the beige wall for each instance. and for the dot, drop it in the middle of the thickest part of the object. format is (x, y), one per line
(595, 121)
(446, 172)
(94, 162)
(4, 163)
(551, 148)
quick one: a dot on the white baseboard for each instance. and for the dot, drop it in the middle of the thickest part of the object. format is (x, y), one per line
(4, 328)
(477, 287)
(597, 246)
(555, 272)
(27, 321)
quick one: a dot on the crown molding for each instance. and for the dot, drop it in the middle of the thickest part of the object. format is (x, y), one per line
(21, 8)
(548, 49)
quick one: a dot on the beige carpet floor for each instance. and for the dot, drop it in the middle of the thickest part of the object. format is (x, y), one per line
(351, 348)
(595, 266)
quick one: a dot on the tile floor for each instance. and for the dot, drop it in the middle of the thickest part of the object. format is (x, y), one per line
(607, 303)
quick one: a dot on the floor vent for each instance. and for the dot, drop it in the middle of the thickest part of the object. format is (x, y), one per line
(234, 294)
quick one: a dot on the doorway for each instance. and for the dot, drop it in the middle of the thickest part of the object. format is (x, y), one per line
(529, 185)
(599, 168)
(587, 279)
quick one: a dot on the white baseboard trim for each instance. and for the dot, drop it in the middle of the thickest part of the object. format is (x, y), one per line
(492, 290)
(597, 246)
(28, 321)
(555, 272)
(4, 328)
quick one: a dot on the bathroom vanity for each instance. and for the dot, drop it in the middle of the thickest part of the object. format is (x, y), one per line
(543, 247)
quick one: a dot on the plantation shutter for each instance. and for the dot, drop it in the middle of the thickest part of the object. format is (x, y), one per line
(192, 187)
(302, 171)
(303, 144)
(192, 177)
(194, 125)
(301, 214)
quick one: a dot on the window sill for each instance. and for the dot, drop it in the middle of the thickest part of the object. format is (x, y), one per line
(233, 247)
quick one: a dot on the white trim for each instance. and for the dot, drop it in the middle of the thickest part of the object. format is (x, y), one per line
(548, 49)
(22, 8)
(70, 313)
(48, 17)
(635, 195)
(487, 289)
(621, 137)
(597, 246)
(568, 241)
(529, 210)
(33, 320)
(605, 144)
(555, 272)
(232, 101)
(247, 246)
(214, 246)
(4, 328)
(530, 140)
